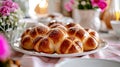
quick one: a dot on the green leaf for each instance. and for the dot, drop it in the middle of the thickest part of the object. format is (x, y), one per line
(80, 6)
(88, 6)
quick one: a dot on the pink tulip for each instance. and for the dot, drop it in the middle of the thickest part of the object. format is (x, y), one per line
(4, 48)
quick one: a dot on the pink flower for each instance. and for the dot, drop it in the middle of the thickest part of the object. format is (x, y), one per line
(4, 48)
(8, 3)
(7, 0)
(86, 4)
(72, 1)
(102, 5)
(68, 6)
(4, 11)
(15, 5)
(99, 3)
(95, 2)
(12, 5)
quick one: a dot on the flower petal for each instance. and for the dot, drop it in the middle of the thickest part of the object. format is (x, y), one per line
(4, 48)
(68, 6)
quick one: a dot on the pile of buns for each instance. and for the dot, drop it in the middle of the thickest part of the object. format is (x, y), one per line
(59, 38)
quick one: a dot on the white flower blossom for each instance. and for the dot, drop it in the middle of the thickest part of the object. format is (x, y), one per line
(83, 3)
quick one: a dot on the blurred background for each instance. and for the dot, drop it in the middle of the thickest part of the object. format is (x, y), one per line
(44, 11)
(30, 9)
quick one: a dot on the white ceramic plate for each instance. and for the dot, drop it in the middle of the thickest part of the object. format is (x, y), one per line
(16, 46)
(78, 62)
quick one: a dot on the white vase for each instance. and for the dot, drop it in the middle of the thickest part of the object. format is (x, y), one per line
(87, 18)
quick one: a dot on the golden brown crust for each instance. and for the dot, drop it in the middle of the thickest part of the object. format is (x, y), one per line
(66, 44)
(27, 42)
(44, 46)
(73, 49)
(72, 31)
(60, 38)
(90, 44)
(81, 34)
(33, 33)
(52, 24)
(93, 33)
(56, 35)
(42, 30)
(70, 25)
(36, 43)
(25, 32)
(70, 45)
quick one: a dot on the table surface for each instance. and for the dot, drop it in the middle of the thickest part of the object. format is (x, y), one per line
(112, 52)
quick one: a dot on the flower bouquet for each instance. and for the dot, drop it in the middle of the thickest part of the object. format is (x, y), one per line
(86, 4)
(10, 14)
(87, 12)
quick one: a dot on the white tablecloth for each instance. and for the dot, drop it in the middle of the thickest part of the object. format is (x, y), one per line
(112, 52)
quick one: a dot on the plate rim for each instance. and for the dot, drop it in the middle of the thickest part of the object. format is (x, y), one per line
(102, 45)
